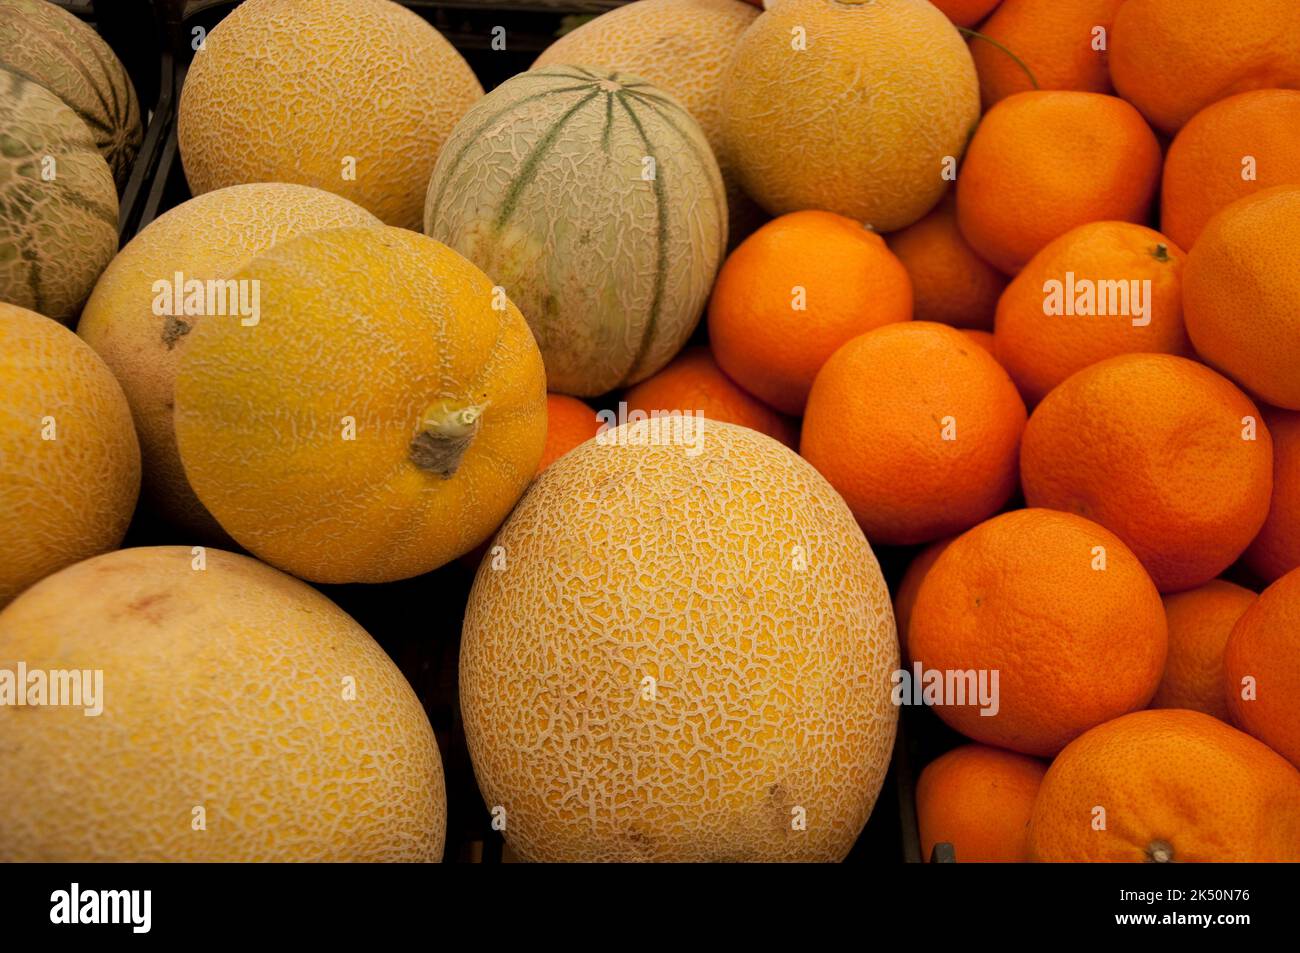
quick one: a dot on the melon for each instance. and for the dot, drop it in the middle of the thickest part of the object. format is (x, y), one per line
(683, 653)
(49, 46)
(683, 47)
(59, 224)
(594, 200)
(69, 462)
(204, 239)
(352, 96)
(861, 107)
(244, 717)
(379, 418)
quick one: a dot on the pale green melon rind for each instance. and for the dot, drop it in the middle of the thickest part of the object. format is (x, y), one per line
(57, 236)
(51, 47)
(540, 186)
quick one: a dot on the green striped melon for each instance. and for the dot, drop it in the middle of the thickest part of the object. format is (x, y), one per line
(593, 199)
(58, 204)
(50, 46)
(682, 46)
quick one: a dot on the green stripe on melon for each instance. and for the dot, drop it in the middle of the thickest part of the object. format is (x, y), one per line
(541, 185)
(58, 204)
(50, 46)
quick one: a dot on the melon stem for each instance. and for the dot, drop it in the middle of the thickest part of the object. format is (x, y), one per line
(1160, 852)
(445, 433)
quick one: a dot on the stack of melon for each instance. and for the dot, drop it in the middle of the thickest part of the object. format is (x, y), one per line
(336, 358)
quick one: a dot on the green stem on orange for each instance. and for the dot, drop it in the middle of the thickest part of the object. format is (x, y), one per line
(1162, 252)
(988, 39)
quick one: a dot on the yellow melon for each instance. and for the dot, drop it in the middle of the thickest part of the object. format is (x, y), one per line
(243, 716)
(379, 418)
(353, 96)
(69, 462)
(683, 47)
(683, 653)
(205, 239)
(853, 106)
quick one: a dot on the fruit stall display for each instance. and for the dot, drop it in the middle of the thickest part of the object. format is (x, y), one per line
(674, 430)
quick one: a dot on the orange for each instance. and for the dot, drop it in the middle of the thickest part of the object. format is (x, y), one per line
(694, 382)
(983, 339)
(1055, 39)
(1199, 623)
(1115, 288)
(910, 585)
(917, 428)
(979, 800)
(1234, 148)
(793, 292)
(966, 12)
(569, 422)
(1240, 289)
(1042, 163)
(1172, 58)
(1072, 645)
(1163, 452)
(1167, 786)
(1276, 550)
(950, 283)
(1265, 648)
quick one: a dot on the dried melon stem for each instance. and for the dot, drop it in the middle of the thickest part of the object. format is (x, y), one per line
(1160, 852)
(446, 431)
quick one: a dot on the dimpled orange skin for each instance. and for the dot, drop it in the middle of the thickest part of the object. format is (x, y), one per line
(1054, 38)
(950, 283)
(569, 422)
(1240, 289)
(1265, 644)
(918, 430)
(982, 339)
(1276, 550)
(1073, 645)
(1172, 58)
(910, 585)
(1040, 350)
(966, 12)
(1205, 168)
(852, 283)
(693, 383)
(1151, 446)
(979, 800)
(1042, 163)
(1200, 621)
(1176, 784)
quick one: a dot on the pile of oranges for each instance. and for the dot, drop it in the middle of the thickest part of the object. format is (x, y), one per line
(1076, 383)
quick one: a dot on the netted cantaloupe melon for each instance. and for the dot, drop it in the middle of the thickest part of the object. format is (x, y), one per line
(51, 47)
(683, 653)
(594, 199)
(69, 462)
(202, 240)
(683, 47)
(861, 107)
(58, 203)
(244, 717)
(379, 419)
(351, 96)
